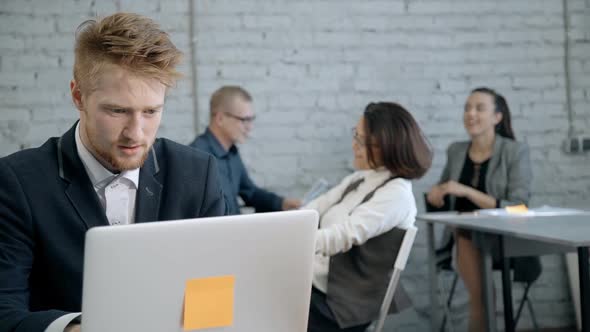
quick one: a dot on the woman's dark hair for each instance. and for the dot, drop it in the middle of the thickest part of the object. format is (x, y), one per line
(504, 128)
(403, 148)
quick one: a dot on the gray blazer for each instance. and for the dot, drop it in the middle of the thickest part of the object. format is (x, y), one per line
(508, 177)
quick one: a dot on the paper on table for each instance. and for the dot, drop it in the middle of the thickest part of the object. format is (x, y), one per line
(547, 210)
(209, 302)
(544, 210)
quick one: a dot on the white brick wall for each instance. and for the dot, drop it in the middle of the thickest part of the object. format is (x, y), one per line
(36, 58)
(313, 65)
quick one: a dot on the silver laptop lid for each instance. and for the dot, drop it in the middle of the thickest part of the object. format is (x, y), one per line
(135, 275)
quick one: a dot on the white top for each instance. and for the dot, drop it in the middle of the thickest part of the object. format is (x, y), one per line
(348, 223)
(116, 193)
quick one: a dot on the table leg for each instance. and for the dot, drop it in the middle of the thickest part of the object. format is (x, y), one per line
(506, 289)
(487, 281)
(584, 287)
(432, 273)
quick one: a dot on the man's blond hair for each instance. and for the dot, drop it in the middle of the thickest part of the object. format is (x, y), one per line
(222, 96)
(131, 41)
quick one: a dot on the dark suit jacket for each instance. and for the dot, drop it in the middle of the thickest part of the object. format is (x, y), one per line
(47, 203)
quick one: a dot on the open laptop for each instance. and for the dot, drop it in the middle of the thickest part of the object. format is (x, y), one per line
(135, 275)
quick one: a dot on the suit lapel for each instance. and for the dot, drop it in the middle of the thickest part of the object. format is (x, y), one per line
(149, 191)
(494, 161)
(455, 171)
(457, 162)
(79, 189)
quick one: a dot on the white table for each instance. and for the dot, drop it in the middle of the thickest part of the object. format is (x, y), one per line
(518, 236)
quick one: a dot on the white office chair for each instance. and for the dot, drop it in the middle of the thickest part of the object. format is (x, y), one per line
(398, 267)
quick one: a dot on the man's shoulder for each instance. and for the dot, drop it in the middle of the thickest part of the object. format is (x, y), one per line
(174, 151)
(181, 166)
(201, 142)
(38, 157)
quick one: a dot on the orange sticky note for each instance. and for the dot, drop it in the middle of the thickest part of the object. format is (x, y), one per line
(209, 302)
(517, 209)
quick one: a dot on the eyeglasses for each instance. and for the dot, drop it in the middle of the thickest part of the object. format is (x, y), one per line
(358, 139)
(242, 119)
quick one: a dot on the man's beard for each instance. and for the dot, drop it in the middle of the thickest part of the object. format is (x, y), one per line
(121, 164)
(111, 160)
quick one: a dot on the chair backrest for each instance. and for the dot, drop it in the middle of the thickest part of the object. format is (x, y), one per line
(398, 267)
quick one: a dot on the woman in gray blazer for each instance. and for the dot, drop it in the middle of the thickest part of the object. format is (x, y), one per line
(491, 170)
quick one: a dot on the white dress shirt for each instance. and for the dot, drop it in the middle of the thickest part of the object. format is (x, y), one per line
(347, 223)
(116, 193)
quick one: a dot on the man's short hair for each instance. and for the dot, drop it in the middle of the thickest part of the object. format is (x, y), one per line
(226, 94)
(131, 41)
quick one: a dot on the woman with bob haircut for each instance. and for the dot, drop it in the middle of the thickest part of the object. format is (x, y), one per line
(355, 242)
(490, 170)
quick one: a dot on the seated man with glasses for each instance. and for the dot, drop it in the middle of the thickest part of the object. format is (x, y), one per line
(230, 121)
